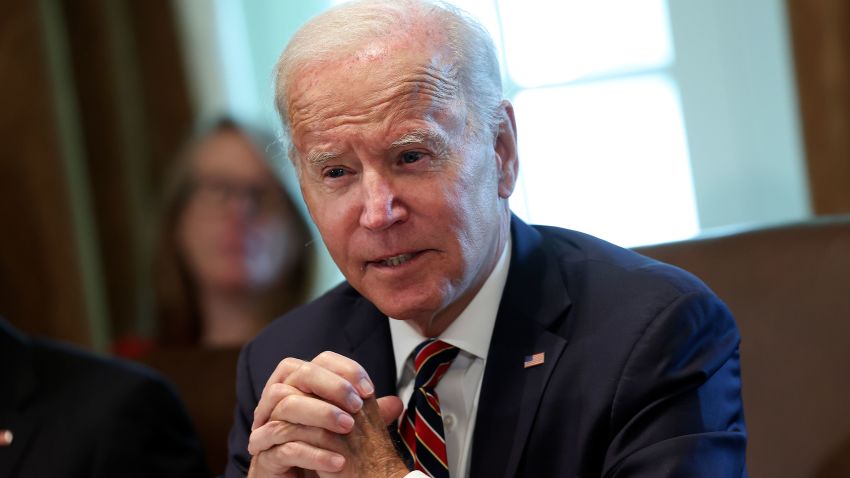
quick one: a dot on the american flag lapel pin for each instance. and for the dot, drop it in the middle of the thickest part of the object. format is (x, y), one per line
(6, 437)
(534, 360)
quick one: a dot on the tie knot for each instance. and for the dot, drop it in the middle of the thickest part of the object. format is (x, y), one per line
(431, 359)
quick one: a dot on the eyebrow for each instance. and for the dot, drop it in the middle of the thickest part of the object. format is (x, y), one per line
(422, 136)
(320, 157)
(419, 136)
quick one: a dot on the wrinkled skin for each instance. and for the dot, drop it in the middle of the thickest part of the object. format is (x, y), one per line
(388, 166)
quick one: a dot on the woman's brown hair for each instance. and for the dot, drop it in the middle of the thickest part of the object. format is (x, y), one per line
(177, 312)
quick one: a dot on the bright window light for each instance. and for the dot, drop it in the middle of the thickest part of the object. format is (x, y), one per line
(607, 158)
(550, 42)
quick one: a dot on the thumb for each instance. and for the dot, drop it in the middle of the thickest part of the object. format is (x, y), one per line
(390, 408)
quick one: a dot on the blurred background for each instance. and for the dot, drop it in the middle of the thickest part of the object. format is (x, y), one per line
(639, 121)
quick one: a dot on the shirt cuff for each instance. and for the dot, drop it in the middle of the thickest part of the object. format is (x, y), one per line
(416, 474)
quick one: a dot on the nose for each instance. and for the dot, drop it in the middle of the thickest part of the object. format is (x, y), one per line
(381, 205)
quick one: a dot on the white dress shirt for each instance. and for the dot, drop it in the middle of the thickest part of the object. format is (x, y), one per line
(459, 388)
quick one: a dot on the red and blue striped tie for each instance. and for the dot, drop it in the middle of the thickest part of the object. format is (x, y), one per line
(421, 427)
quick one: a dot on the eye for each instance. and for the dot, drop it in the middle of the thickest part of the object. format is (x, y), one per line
(410, 157)
(335, 173)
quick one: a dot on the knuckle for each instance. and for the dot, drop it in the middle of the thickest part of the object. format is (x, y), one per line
(289, 363)
(313, 455)
(274, 460)
(277, 391)
(350, 369)
(325, 356)
(291, 430)
(331, 416)
(344, 389)
(282, 410)
(305, 368)
(287, 402)
(289, 450)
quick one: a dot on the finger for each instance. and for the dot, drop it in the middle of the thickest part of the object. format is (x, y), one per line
(314, 379)
(347, 369)
(283, 370)
(280, 373)
(390, 408)
(313, 412)
(272, 395)
(282, 458)
(276, 433)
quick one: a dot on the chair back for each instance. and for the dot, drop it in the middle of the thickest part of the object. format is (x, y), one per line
(789, 289)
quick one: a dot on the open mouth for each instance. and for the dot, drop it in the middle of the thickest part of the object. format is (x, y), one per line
(396, 260)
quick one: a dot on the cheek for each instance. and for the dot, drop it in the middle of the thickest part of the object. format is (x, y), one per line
(190, 235)
(192, 246)
(474, 201)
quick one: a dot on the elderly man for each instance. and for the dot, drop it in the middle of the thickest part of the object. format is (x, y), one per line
(515, 350)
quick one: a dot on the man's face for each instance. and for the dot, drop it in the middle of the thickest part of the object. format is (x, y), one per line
(412, 207)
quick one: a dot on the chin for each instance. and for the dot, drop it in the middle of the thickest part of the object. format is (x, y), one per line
(407, 306)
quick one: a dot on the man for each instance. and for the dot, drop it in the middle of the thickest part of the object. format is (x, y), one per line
(557, 354)
(67, 414)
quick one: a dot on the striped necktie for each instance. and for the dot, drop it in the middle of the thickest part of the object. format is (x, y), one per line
(421, 427)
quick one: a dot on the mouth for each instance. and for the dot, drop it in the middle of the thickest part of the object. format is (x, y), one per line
(395, 260)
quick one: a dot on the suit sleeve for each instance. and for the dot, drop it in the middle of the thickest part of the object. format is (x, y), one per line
(150, 435)
(238, 458)
(677, 411)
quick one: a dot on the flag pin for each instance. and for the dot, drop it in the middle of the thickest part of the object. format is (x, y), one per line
(6, 437)
(533, 360)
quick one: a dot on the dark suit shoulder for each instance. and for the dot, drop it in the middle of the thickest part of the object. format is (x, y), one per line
(85, 369)
(588, 257)
(111, 416)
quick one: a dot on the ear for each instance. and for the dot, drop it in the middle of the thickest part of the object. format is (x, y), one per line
(506, 150)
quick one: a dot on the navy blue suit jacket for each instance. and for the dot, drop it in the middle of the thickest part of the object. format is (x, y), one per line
(76, 415)
(641, 375)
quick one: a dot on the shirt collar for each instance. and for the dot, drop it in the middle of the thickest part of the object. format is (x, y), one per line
(472, 329)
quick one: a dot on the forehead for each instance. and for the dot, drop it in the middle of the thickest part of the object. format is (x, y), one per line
(378, 82)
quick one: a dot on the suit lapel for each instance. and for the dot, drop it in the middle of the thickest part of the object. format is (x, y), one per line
(534, 300)
(17, 369)
(368, 335)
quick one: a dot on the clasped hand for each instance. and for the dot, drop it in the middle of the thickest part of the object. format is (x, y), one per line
(322, 418)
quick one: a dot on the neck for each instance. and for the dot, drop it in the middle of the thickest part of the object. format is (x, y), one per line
(229, 319)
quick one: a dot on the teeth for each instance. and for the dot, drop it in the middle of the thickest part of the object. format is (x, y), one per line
(397, 260)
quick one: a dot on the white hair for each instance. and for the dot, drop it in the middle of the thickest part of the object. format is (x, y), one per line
(341, 30)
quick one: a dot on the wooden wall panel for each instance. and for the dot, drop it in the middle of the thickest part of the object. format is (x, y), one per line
(92, 48)
(134, 111)
(40, 280)
(95, 104)
(820, 31)
(168, 115)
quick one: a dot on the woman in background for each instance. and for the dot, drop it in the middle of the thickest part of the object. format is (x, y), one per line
(232, 252)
